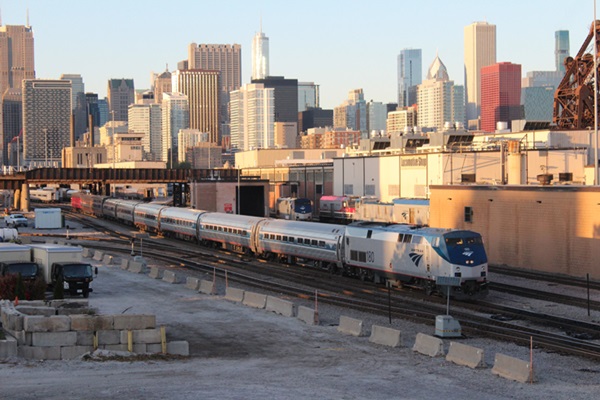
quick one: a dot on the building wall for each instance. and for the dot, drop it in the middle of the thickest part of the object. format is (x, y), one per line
(500, 94)
(480, 51)
(121, 93)
(218, 196)
(549, 229)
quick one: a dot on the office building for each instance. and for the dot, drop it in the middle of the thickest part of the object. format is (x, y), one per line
(175, 118)
(285, 97)
(285, 135)
(16, 56)
(260, 55)
(203, 90)
(409, 76)
(121, 93)
(93, 109)
(103, 109)
(480, 51)
(187, 138)
(501, 95)
(401, 120)
(376, 116)
(146, 119)
(253, 117)
(561, 50)
(308, 96)
(538, 103)
(78, 103)
(162, 84)
(46, 119)
(12, 121)
(352, 113)
(439, 100)
(314, 118)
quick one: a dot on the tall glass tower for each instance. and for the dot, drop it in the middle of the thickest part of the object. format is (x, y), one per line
(561, 49)
(260, 55)
(409, 76)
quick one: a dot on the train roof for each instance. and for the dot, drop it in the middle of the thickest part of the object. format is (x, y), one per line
(398, 228)
(229, 219)
(149, 206)
(181, 212)
(420, 202)
(301, 227)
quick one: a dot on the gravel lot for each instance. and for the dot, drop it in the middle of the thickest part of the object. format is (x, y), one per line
(239, 352)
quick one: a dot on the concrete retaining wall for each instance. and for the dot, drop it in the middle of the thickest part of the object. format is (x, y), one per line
(255, 300)
(385, 336)
(279, 306)
(351, 326)
(469, 356)
(307, 315)
(512, 368)
(429, 345)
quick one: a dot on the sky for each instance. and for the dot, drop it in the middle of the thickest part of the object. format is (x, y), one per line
(339, 45)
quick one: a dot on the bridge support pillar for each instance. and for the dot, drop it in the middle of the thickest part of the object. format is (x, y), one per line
(24, 197)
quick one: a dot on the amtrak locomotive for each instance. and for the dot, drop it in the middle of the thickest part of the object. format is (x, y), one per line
(400, 254)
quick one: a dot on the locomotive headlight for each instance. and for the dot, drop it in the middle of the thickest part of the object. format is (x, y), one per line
(457, 269)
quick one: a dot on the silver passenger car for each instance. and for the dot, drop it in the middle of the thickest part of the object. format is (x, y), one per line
(125, 211)
(146, 216)
(229, 229)
(180, 222)
(109, 208)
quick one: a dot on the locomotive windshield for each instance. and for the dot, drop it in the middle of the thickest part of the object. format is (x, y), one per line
(464, 248)
(303, 205)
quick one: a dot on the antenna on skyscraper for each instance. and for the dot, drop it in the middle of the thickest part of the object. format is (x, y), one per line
(28, 17)
(0, 17)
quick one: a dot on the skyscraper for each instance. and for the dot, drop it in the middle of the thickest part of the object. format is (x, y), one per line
(501, 94)
(561, 49)
(286, 97)
(121, 93)
(147, 119)
(162, 84)
(253, 117)
(409, 76)
(78, 103)
(260, 55)
(12, 119)
(175, 117)
(308, 96)
(16, 56)
(352, 113)
(203, 90)
(480, 51)
(46, 119)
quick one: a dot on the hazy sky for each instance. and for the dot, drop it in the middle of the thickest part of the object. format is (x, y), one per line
(340, 45)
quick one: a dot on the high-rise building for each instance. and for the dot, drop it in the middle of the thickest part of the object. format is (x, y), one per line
(561, 49)
(46, 119)
(253, 117)
(121, 93)
(162, 84)
(352, 113)
(91, 100)
(538, 103)
(203, 90)
(103, 108)
(175, 117)
(480, 51)
(147, 119)
(409, 76)
(376, 116)
(78, 103)
(439, 100)
(16, 56)
(399, 120)
(314, 118)
(501, 94)
(187, 138)
(286, 97)
(12, 120)
(260, 55)
(308, 96)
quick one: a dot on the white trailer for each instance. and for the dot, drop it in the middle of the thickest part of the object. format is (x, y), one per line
(47, 254)
(48, 218)
(14, 252)
(16, 259)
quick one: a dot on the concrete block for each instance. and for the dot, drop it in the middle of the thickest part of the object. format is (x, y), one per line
(170, 276)
(385, 336)
(136, 267)
(85, 338)
(91, 322)
(280, 306)
(512, 368)
(73, 311)
(31, 310)
(142, 336)
(155, 273)
(124, 263)
(207, 287)
(49, 339)
(32, 303)
(114, 347)
(8, 347)
(192, 283)
(140, 348)
(255, 300)
(14, 321)
(39, 353)
(25, 239)
(107, 259)
(468, 356)
(307, 315)
(85, 252)
(74, 352)
(428, 345)
(154, 348)
(134, 321)
(234, 294)
(23, 338)
(55, 323)
(351, 326)
(81, 304)
(109, 337)
(98, 255)
(180, 348)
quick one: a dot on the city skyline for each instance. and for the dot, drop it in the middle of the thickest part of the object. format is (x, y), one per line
(302, 46)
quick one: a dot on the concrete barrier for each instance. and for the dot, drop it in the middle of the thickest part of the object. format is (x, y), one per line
(385, 336)
(351, 326)
(234, 294)
(124, 263)
(307, 315)
(279, 306)
(169, 276)
(207, 287)
(50, 339)
(192, 283)
(179, 347)
(38, 323)
(134, 321)
(469, 356)
(155, 273)
(85, 252)
(107, 259)
(512, 368)
(98, 255)
(428, 345)
(255, 300)
(8, 347)
(136, 267)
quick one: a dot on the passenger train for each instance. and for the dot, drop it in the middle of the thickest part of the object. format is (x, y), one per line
(399, 254)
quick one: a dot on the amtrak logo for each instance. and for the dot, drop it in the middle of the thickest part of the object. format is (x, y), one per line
(416, 258)
(467, 253)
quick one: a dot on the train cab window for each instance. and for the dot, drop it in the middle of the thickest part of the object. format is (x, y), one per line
(435, 242)
(416, 239)
(369, 233)
(407, 238)
(321, 243)
(400, 237)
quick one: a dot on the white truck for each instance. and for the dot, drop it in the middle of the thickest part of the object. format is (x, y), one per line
(63, 265)
(16, 259)
(15, 220)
